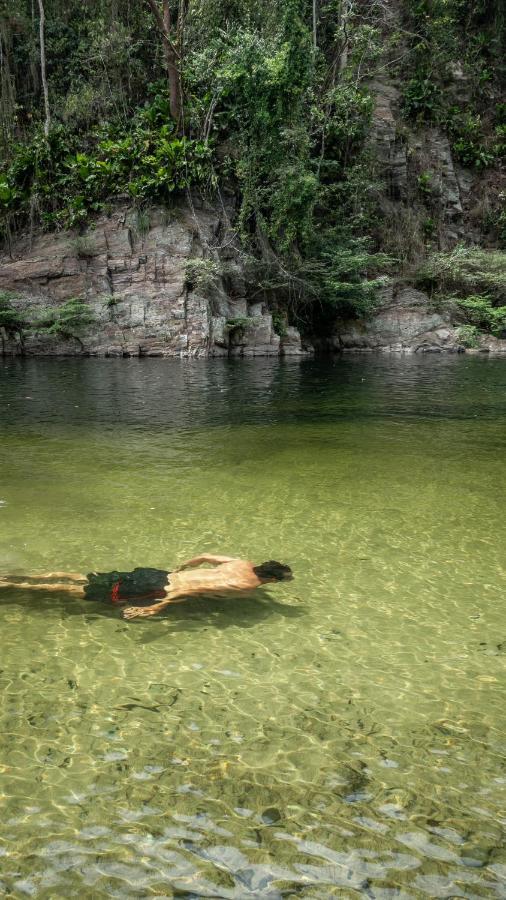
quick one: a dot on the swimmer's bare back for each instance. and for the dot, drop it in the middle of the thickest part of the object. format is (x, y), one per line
(230, 576)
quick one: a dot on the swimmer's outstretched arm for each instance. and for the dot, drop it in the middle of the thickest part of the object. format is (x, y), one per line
(141, 612)
(205, 558)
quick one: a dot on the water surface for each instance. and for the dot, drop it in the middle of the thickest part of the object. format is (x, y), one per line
(341, 735)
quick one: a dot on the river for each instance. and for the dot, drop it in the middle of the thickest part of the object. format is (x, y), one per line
(340, 735)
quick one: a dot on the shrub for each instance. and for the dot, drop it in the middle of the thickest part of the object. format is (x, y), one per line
(64, 321)
(10, 318)
(468, 141)
(345, 275)
(466, 271)
(479, 311)
(279, 322)
(425, 184)
(142, 158)
(468, 336)
(236, 327)
(421, 99)
(201, 272)
(82, 246)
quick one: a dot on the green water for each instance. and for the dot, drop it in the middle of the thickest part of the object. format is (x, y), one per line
(343, 735)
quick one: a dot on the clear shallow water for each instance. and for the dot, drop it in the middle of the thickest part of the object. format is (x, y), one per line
(342, 735)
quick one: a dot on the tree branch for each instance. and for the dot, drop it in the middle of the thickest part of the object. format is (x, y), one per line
(163, 24)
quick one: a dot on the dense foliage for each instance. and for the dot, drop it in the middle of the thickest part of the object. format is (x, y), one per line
(459, 44)
(275, 107)
(472, 283)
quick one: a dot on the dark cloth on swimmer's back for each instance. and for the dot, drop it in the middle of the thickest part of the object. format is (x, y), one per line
(141, 582)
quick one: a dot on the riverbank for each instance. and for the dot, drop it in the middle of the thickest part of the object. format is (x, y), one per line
(174, 284)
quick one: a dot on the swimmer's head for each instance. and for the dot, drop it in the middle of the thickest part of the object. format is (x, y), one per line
(273, 571)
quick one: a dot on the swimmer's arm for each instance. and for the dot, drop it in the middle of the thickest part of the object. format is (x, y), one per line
(205, 558)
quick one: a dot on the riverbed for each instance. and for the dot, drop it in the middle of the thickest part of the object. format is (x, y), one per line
(340, 735)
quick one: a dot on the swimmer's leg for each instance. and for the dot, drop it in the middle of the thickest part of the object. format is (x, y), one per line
(69, 576)
(44, 577)
(48, 586)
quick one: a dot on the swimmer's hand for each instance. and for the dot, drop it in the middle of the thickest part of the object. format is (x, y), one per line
(134, 612)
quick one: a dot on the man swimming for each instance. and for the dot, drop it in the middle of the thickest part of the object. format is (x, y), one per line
(230, 576)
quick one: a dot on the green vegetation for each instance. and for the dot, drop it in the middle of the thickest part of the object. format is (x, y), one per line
(202, 272)
(10, 319)
(279, 323)
(472, 284)
(143, 160)
(468, 337)
(66, 320)
(478, 310)
(269, 98)
(237, 326)
(468, 271)
(260, 96)
(462, 40)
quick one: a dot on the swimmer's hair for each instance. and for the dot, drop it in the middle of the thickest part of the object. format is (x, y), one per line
(272, 569)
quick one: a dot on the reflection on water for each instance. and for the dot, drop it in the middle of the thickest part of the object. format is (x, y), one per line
(340, 735)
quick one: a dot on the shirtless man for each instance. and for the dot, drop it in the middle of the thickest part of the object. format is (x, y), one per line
(230, 576)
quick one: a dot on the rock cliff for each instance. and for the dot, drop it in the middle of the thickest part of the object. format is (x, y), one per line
(165, 284)
(407, 322)
(428, 203)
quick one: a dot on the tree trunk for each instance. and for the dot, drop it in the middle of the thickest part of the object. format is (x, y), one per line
(174, 88)
(163, 22)
(345, 46)
(42, 21)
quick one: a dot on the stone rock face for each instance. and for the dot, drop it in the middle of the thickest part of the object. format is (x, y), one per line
(390, 147)
(402, 323)
(290, 343)
(255, 338)
(405, 323)
(434, 148)
(396, 149)
(168, 288)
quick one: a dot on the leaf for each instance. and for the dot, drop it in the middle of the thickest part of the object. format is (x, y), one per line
(5, 192)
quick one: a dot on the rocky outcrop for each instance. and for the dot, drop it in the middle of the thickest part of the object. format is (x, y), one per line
(405, 322)
(406, 158)
(167, 284)
(428, 203)
(431, 149)
(388, 144)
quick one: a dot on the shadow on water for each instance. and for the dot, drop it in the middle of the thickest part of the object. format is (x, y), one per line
(195, 614)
